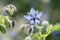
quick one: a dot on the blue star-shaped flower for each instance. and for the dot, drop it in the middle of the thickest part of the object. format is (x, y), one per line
(33, 17)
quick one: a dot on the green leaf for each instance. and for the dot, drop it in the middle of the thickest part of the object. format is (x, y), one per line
(7, 21)
(56, 26)
(2, 29)
(1, 19)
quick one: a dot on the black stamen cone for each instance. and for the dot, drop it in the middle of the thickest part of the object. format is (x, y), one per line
(35, 29)
(13, 23)
(30, 30)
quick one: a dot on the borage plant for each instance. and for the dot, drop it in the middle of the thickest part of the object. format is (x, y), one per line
(39, 29)
(5, 21)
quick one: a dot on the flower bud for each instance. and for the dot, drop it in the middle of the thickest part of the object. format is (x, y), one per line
(9, 9)
(45, 23)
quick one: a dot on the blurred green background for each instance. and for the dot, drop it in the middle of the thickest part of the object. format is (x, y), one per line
(50, 7)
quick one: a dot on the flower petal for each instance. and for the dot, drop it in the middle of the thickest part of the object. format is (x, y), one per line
(31, 22)
(37, 21)
(39, 14)
(27, 17)
(32, 12)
